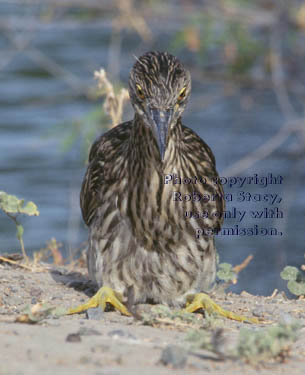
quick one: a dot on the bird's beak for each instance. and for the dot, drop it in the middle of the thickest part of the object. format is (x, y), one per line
(160, 124)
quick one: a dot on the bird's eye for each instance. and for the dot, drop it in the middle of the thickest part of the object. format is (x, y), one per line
(140, 92)
(182, 94)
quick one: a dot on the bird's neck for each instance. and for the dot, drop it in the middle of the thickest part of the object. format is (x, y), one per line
(144, 149)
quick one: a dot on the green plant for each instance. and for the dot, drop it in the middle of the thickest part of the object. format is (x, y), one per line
(12, 207)
(212, 340)
(253, 346)
(226, 272)
(102, 117)
(163, 315)
(296, 280)
(265, 344)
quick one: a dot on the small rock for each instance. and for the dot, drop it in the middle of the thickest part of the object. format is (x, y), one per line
(117, 333)
(120, 333)
(73, 337)
(35, 292)
(174, 355)
(259, 311)
(95, 313)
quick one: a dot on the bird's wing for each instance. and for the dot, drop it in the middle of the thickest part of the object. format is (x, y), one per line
(101, 160)
(89, 197)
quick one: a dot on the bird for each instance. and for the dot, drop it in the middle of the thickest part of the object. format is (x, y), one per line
(143, 176)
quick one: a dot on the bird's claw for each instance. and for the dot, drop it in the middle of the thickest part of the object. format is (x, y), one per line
(104, 295)
(203, 301)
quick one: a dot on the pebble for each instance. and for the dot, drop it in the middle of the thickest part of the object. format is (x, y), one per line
(117, 332)
(174, 355)
(120, 333)
(259, 311)
(73, 337)
(35, 292)
(95, 313)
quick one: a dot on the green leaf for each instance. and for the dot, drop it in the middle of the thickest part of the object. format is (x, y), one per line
(30, 209)
(225, 267)
(12, 205)
(8, 203)
(59, 311)
(35, 314)
(261, 345)
(19, 232)
(290, 273)
(225, 272)
(297, 288)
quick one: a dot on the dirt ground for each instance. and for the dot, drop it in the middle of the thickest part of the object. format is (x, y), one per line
(111, 344)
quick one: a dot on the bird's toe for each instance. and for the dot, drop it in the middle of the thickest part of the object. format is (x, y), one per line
(104, 295)
(203, 301)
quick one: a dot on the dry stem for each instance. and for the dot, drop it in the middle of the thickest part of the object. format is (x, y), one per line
(114, 103)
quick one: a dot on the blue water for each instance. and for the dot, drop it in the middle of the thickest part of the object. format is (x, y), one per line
(32, 166)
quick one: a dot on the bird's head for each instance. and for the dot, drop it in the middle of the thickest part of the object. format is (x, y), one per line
(159, 88)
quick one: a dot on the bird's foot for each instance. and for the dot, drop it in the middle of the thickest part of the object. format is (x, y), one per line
(103, 296)
(203, 301)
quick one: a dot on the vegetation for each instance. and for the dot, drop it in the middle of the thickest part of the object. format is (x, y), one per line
(226, 273)
(266, 344)
(255, 43)
(296, 280)
(253, 346)
(106, 116)
(160, 316)
(12, 207)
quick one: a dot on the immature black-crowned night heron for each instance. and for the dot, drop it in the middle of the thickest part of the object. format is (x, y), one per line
(143, 176)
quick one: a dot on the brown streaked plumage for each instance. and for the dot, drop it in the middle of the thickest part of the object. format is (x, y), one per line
(138, 234)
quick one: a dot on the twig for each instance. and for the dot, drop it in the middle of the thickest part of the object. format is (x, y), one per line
(243, 265)
(114, 103)
(15, 263)
(274, 293)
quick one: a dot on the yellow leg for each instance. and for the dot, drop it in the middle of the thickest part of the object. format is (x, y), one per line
(203, 301)
(104, 295)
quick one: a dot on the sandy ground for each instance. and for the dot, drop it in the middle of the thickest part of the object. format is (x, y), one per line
(112, 344)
